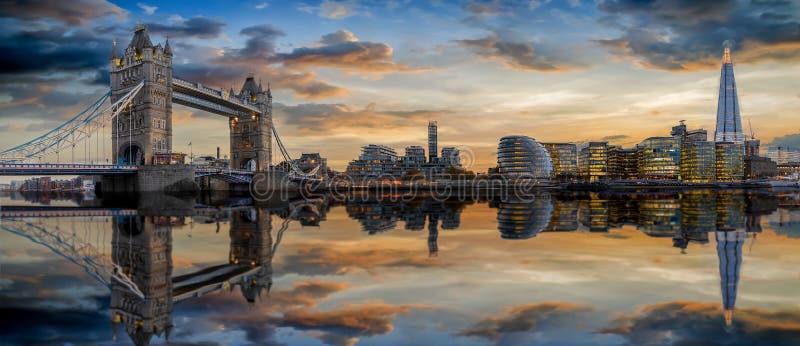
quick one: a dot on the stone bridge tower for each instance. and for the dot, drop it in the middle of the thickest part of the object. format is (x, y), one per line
(145, 128)
(251, 136)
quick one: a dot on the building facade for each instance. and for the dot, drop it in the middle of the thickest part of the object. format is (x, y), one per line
(593, 162)
(565, 160)
(622, 163)
(433, 140)
(659, 158)
(375, 161)
(729, 161)
(698, 162)
(783, 155)
(522, 156)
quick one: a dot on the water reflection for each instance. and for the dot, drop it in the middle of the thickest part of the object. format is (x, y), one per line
(145, 289)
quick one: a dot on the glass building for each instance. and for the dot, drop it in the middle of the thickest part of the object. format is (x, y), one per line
(698, 162)
(523, 156)
(593, 162)
(565, 160)
(622, 163)
(729, 119)
(375, 161)
(659, 158)
(729, 161)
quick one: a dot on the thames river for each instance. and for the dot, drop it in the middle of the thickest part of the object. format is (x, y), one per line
(690, 267)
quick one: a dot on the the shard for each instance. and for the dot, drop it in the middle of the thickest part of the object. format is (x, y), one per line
(729, 119)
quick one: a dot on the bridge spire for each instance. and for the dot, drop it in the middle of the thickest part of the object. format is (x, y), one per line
(114, 49)
(167, 48)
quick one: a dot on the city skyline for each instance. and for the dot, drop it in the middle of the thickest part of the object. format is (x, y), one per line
(364, 73)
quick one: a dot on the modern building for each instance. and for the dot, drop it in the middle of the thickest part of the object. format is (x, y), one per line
(593, 162)
(729, 161)
(756, 167)
(433, 137)
(524, 157)
(659, 158)
(451, 157)
(414, 158)
(783, 155)
(729, 119)
(752, 147)
(698, 162)
(565, 160)
(375, 161)
(622, 163)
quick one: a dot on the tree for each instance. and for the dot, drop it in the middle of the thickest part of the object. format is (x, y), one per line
(413, 174)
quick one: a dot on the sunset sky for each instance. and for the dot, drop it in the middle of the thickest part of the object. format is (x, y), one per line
(349, 73)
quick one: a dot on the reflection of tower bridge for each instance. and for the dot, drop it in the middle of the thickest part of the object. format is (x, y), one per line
(134, 120)
(136, 263)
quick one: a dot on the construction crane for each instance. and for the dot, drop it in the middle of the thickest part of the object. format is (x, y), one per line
(752, 134)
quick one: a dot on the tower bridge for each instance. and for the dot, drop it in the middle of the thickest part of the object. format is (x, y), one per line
(135, 116)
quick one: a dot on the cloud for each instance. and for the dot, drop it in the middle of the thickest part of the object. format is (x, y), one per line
(200, 27)
(343, 50)
(515, 55)
(149, 10)
(262, 6)
(54, 49)
(332, 9)
(528, 318)
(314, 117)
(688, 35)
(694, 323)
(790, 140)
(76, 12)
(316, 260)
(614, 138)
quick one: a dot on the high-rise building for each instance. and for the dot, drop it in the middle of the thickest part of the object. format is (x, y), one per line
(593, 162)
(752, 147)
(729, 161)
(523, 156)
(433, 145)
(698, 162)
(659, 158)
(783, 155)
(565, 160)
(729, 119)
(414, 157)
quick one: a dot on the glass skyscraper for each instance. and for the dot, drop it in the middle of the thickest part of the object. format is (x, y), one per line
(729, 119)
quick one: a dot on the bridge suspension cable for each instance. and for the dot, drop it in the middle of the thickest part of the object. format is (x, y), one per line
(76, 129)
(288, 159)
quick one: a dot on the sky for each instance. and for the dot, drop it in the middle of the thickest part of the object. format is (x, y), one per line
(345, 74)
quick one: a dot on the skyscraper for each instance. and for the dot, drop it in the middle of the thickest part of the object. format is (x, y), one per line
(729, 120)
(433, 146)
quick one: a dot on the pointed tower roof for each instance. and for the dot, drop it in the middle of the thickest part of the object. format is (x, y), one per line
(167, 47)
(269, 91)
(250, 85)
(140, 39)
(729, 118)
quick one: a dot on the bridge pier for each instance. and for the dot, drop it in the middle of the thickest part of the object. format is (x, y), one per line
(152, 178)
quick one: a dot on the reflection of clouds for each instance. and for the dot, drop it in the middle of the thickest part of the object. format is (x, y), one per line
(687, 323)
(318, 260)
(530, 318)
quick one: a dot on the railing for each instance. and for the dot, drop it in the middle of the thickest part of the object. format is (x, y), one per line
(23, 166)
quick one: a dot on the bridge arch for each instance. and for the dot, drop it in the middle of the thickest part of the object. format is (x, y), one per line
(131, 154)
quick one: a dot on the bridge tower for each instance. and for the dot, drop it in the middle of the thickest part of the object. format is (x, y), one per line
(251, 245)
(146, 127)
(251, 136)
(142, 249)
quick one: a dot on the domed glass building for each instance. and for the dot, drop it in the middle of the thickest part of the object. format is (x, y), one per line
(523, 156)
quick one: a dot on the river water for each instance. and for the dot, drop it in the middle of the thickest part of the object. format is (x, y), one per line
(695, 267)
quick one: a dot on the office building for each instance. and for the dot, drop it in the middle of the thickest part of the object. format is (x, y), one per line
(659, 158)
(783, 155)
(698, 162)
(451, 157)
(523, 156)
(593, 162)
(752, 147)
(622, 163)
(729, 161)
(757, 167)
(565, 160)
(729, 119)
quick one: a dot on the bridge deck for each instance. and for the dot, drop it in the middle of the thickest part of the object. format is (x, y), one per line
(64, 169)
(198, 96)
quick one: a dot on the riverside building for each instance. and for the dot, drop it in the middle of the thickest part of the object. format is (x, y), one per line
(522, 156)
(565, 160)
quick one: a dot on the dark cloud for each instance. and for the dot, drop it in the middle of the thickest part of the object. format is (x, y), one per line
(343, 50)
(57, 49)
(317, 260)
(688, 35)
(615, 138)
(74, 12)
(516, 55)
(528, 318)
(692, 323)
(790, 140)
(200, 27)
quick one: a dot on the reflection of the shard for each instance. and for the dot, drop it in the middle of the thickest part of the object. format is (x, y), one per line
(524, 218)
(729, 251)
